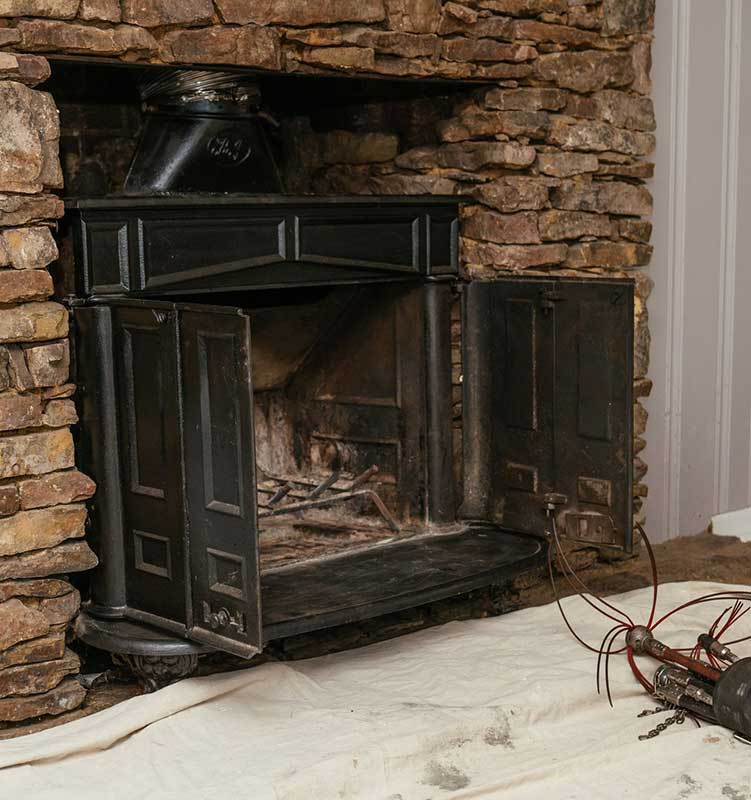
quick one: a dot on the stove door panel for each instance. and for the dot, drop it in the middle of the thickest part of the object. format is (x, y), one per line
(220, 479)
(145, 362)
(508, 386)
(548, 368)
(594, 451)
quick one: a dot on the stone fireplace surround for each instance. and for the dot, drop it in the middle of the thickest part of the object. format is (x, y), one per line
(550, 145)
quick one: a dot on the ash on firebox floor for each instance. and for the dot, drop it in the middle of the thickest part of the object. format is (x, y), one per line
(704, 557)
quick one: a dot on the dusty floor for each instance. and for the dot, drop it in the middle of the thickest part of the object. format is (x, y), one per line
(704, 557)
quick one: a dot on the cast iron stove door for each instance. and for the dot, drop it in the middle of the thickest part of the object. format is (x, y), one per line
(548, 370)
(220, 480)
(184, 497)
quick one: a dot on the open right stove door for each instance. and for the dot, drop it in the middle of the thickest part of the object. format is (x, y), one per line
(547, 392)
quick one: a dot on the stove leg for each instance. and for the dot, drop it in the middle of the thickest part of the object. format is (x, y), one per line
(156, 672)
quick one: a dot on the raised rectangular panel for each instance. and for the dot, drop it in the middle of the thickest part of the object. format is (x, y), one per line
(145, 444)
(106, 256)
(223, 444)
(178, 249)
(377, 241)
(152, 554)
(520, 366)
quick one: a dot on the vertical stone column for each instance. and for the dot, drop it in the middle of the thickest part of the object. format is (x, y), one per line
(42, 515)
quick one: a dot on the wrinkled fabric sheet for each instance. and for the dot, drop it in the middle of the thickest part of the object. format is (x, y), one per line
(504, 707)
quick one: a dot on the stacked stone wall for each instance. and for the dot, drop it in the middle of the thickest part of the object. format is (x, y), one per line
(42, 509)
(551, 148)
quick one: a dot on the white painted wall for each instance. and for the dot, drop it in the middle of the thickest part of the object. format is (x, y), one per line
(699, 431)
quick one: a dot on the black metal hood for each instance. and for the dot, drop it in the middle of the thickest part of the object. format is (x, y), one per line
(203, 132)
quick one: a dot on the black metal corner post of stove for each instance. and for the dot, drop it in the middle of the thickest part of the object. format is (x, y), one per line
(98, 449)
(441, 505)
(476, 398)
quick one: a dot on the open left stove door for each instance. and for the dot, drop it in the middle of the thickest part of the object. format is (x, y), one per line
(174, 519)
(548, 405)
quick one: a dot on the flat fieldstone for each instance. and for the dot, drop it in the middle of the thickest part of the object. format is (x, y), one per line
(66, 696)
(23, 68)
(477, 123)
(66, 390)
(74, 556)
(38, 587)
(480, 28)
(251, 46)
(470, 49)
(599, 137)
(31, 679)
(59, 412)
(567, 35)
(513, 193)
(55, 488)
(525, 99)
(415, 16)
(469, 156)
(44, 365)
(524, 8)
(28, 248)
(100, 10)
(70, 37)
(641, 59)
(58, 610)
(345, 147)
(36, 453)
(40, 528)
(511, 257)
(19, 411)
(609, 255)
(489, 226)
(16, 209)
(627, 16)
(586, 70)
(299, 14)
(406, 45)
(622, 109)
(10, 501)
(460, 12)
(154, 13)
(636, 230)
(563, 165)
(345, 58)
(18, 623)
(558, 225)
(33, 322)
(34, 651)
(603, 197)
(641, 170)
(21, 156)
(59, 9)
(20, 287)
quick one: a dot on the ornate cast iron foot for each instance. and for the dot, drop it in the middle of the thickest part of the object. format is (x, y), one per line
(157, 672)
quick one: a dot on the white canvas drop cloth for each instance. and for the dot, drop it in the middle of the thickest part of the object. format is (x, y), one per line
(497, 708)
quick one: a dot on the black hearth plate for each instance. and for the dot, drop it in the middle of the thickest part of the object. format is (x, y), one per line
(390, 577)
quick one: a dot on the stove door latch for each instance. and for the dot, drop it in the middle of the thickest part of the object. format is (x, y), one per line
(548, 299)
(552, 499)
(222, 618)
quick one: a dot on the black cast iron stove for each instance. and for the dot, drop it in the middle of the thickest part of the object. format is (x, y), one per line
(266, 406)
(253, 488)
